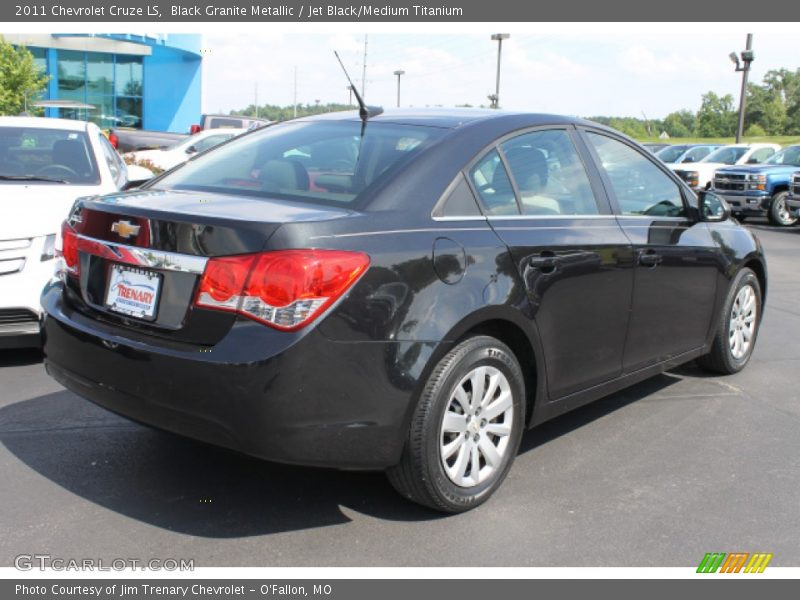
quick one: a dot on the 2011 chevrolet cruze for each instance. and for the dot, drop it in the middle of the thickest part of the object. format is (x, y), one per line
(406, 292)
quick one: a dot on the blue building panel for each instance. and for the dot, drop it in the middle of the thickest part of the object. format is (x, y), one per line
(172, 89)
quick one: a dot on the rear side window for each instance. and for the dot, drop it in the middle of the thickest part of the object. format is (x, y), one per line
(549, 174)
(641, 188)
(333, 162)
(491, 181)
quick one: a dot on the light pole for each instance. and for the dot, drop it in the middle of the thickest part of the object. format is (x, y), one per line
(399, 72)
(747, 57)
(498, 37)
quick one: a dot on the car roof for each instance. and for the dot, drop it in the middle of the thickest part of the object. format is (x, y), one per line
(450, 118)
(44, 123)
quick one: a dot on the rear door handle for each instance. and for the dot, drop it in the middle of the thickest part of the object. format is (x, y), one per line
(650, 259)
(545, 263)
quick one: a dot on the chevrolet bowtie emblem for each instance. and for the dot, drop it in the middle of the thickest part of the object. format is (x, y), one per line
(125, 229)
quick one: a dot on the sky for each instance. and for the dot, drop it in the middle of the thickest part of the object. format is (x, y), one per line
(625, 70)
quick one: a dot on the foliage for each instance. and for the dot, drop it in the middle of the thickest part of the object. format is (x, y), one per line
(20, 79)
(716, 116)
(144, 162)
(284, 113)
(755, 130)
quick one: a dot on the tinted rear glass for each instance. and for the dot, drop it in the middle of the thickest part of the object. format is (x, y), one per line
(322, 162)
(47, 153)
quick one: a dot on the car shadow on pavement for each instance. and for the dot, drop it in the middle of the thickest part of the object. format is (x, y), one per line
(19, 358)
(190, 487)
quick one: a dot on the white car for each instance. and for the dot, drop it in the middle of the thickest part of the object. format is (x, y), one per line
(675, 156)
(181, 152)
(45, 164)
(699, 175)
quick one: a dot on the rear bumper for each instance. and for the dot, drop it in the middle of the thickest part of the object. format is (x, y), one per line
(312, 402)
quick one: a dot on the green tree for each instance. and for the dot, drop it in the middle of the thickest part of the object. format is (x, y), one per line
(765, 107)
(679, 123)
(20, 78)
(716, 117)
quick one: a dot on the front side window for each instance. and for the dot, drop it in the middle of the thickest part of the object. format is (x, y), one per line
(549, 174)
(671, 153)
(211, 141)
(761, 155)
(641, 188)
(46, 155)
(313, 161)
(787, 156)
(696, 154)
(726, 156)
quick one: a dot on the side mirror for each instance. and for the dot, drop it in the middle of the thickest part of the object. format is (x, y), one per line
(191, 150)
(688, 159)
(753, 161)
(711, 207)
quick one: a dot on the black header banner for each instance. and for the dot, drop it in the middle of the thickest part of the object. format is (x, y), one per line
(464, 11)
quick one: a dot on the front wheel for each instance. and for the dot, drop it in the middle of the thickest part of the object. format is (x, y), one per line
(737, 326)
(779, 213)
(466, 428)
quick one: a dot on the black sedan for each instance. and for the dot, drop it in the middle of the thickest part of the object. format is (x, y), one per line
(405, 291)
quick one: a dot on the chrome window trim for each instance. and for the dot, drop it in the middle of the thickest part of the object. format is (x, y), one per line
(143, 257)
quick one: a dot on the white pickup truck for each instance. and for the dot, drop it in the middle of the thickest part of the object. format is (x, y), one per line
(699, 175)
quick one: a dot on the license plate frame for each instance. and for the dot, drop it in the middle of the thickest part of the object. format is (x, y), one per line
(132, 300)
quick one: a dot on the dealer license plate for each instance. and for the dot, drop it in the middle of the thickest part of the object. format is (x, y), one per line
(133, 292)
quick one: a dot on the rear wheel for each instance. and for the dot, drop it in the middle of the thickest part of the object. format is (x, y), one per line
(779, 213)
(466, 428)
(737, 327)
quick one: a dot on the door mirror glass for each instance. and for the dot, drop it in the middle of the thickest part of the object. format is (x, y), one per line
(712, 207)
(191, 150)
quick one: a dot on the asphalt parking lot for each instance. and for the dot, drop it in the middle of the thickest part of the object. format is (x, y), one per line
(657, 475)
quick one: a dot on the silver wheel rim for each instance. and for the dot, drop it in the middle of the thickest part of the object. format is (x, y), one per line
(476, 427)
(742, 323)
(784, 214)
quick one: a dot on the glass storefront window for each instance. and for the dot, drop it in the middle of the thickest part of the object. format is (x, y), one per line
(129, 111)
(72, 75)
(129, 76)
(100, 73)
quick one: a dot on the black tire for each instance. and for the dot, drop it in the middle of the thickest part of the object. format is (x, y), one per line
(778, 212)
(721, 359)
(421, 475)
(741, 218)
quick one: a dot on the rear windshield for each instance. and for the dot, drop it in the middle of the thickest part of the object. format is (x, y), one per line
(314, 161)
(41, 154)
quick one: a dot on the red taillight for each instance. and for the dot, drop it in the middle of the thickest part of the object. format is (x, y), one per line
(112, 137)
(195, 129)
(69, 248)
(286, 289)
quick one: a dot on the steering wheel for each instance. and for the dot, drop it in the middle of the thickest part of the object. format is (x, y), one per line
(56, 171)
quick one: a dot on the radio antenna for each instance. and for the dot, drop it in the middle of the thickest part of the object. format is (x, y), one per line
(364, 111)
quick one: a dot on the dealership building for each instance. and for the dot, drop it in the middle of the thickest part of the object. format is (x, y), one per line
(147, 81)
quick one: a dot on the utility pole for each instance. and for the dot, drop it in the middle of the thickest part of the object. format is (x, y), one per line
(399, 72)
(747, 58)
(295, 91)
(498, 37)
(364, 71)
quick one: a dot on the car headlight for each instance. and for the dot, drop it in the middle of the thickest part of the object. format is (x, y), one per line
(761, 178)
(49, 248)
